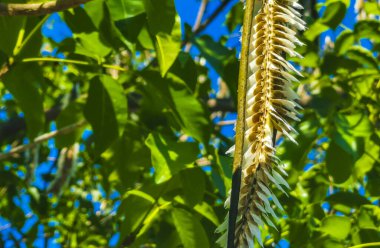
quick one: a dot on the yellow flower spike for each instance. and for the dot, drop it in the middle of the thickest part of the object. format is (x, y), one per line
(266, 104)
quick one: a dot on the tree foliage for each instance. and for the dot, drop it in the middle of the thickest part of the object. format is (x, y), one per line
(136, 155)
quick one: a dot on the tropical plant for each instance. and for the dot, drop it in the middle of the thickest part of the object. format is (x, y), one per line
(116, 117)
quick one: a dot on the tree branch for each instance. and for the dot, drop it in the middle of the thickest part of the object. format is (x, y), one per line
(10, 129)
(36, 9)
(41, 139)
(210, 19)
(198, 21)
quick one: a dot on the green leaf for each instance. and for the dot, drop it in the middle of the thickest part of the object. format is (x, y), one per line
(32, 47)
(145, 39)
(131, 27)
(106, 110)
(373, 185)
(203, 209)
(185, 68)
(128, 156)
(354, 124)
(235, 16)
(215, 53)
(100, 16)
(135, 206)
(186, 108)
(79, 21)
(310, 53)
(161, 15)
(94, 31)
(298, 232)
(345, 41)
(169, 157)
(362, 56)
(339, 162)
(193, 115)
(10, 27)
(336, 226)
(334, 14)
(72, 114)
(368, 162)
(118, 99)
(189, 228)
(369, 236)
(372, 8)
(368, 29)
(332, 63)
(221, 59)
(368, 217)
(346, 201)
(315, 183)
(91, 45)
(297, 155)
(315, 30)
(208, 212)
(352, 145)
(122, 9)
(167, 49)
(194, 185)
(23, 82)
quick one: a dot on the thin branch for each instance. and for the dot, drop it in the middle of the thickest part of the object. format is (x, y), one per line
(71, 61)
(37, 9)
(215, 14)
(376, 244)
(198, 21)
(207, 22)
(41, 139)
(30, 35)
(226, 123)
(10, 129)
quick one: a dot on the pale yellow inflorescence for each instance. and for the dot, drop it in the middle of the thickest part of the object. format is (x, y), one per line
(270, 103)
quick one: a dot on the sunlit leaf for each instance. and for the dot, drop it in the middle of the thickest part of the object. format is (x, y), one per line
(168, 49)
(346, 201)
(189, 229)
(122, 9)
(330, 224)
(169, 156)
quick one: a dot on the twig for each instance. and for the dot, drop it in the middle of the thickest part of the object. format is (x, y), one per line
(42, 138)
(204, 25)
(226, 123)
(10, 129)
(377, 244)
(198, 21)
(36, 9)
(71, 61)
(30, 35)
